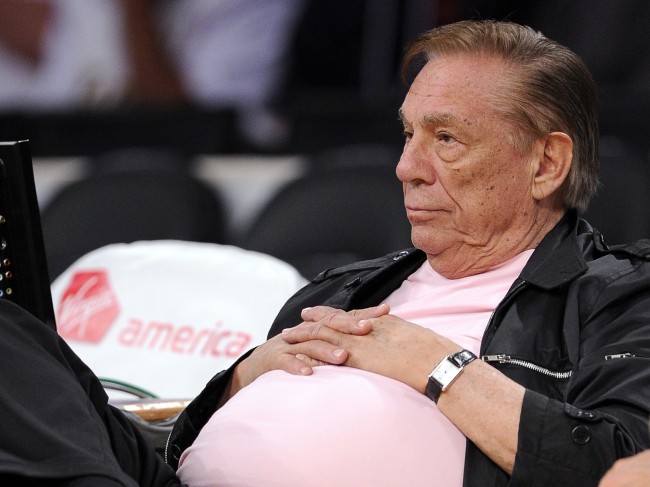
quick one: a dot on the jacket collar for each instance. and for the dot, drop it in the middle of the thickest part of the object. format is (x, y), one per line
(558, 258)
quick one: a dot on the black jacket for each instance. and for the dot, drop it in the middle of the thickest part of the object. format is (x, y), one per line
(57, 427)
(574, 329)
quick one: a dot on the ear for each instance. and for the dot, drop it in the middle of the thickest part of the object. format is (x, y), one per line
(553, 165)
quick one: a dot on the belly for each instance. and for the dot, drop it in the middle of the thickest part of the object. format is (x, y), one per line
(339, 426)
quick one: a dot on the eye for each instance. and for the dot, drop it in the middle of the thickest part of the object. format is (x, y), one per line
(407, 135)
(446, 138)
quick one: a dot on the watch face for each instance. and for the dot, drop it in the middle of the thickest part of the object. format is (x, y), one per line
(445, 373)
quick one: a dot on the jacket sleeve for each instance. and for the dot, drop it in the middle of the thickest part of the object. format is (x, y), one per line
(341, 287)
(58, 427)
(604, 412)
(190, 422)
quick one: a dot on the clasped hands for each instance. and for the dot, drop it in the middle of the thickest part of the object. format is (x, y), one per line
(370, 339)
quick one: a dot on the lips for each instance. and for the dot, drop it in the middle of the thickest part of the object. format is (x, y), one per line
(417, 214)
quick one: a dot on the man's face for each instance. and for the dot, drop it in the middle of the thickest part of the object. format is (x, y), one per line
(467, 190)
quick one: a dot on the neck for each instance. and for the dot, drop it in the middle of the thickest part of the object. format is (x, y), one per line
(467, 260)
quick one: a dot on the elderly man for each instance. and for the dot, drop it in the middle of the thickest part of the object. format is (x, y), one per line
(370, 376)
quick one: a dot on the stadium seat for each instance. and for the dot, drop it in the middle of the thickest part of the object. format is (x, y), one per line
(165, 316)
(332, 216)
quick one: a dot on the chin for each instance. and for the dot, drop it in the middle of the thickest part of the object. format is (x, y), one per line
(428, 240)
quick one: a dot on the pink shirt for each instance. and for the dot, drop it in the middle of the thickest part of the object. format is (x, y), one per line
(347, 427)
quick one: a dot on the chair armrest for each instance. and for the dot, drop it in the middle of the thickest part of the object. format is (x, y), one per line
(150, 409)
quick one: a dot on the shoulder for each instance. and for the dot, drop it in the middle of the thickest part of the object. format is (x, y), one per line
(615, 261)
(639, 249)
(324, 288)
(366, 267)
(617, 275)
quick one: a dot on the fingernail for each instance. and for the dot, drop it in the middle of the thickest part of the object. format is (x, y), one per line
(338, 352)
(361, 323)
(305, 371)
(306, 309)
(285, 331)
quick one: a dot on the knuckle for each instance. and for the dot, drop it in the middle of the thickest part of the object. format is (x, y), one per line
(329, 319)
(318, 312)
(313, 350)
(284, 362)
(316, 330)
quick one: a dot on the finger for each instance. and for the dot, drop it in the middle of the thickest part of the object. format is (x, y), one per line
(311, 332)
(326, 351)
(342, 321)
(293, 365)
(310, 361)
(318, 313)
(301, 364)
(372, 312)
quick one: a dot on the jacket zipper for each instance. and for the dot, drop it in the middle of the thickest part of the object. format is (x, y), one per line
(619, 355)
(167, 447)
(502, 358)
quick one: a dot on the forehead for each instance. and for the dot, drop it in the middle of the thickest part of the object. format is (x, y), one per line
(464, 86)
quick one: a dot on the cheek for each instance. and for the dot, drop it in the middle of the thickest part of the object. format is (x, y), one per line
(484, 193)
(503, 199)
(473, 186)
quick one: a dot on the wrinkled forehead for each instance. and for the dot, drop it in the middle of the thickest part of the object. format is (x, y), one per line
(473, 90)
(467, 84)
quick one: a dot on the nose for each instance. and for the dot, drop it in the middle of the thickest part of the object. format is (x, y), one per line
(414, 165)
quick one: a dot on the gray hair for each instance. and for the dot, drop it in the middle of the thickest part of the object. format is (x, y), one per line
(550, 89)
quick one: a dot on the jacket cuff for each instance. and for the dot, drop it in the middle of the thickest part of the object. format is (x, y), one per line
(560, 444)
(197, 413)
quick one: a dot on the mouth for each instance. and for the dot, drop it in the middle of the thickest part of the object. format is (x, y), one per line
(417, 215)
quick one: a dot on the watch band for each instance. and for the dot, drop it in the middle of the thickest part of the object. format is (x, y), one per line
(446, 372)
(462, 358)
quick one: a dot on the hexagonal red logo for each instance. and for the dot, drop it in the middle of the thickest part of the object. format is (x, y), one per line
(88, 307)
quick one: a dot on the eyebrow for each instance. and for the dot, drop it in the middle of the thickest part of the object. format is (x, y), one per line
(434, 118)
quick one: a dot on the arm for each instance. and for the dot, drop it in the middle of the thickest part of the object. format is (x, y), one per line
(570, 434)
(298, 358)
(602, 414)
(58, 425)
(629, 472)
(153, 78)
(274, 354)
(407, 352)
(23, 26)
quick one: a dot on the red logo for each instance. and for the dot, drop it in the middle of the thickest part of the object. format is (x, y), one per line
(87, 308)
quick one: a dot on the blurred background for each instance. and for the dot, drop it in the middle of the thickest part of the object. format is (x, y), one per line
(251, 122)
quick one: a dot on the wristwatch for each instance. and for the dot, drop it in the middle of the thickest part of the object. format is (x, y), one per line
(446, 372)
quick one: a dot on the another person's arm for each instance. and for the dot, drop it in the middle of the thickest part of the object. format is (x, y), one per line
(57, 424)
(23, 26)
(629, 472)
(153, 76)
